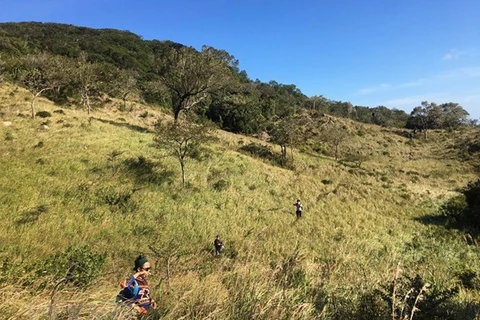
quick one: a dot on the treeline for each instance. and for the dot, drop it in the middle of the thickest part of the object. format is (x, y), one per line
(77, 65)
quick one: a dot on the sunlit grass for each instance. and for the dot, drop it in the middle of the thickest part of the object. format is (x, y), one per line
(77, 183)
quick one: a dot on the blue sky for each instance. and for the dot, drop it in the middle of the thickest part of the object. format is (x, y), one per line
(370, 52)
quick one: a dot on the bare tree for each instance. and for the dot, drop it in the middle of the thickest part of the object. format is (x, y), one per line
(181, 139)
(88, 80)
(334, 135)
(126, 84)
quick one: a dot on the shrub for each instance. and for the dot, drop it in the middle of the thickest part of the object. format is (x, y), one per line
(454, 209)
(43, 114)
(59, 111)
(76, 266)
(8, 136)
(118, 200)
(221, 185)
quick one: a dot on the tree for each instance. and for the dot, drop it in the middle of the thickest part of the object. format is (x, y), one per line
(419, 119)
(126, 81)
(334, 135)
(88, 80)
(192, 76)
(181, 139)
(319, 104)
(39, 73)
(284, 133)
(454, 115)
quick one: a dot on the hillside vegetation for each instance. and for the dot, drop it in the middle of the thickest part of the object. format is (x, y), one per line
(82, 195)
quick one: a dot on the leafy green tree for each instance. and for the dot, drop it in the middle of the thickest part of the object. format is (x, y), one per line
(238, 110)
(419, 119)
(181, 139)
(285, 133)
(191, 76)
(453, 115)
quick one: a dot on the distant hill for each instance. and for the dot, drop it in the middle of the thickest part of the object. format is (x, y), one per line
(127, 51)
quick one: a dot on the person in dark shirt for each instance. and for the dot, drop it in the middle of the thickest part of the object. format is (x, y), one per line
(218, 244)
(299, 208)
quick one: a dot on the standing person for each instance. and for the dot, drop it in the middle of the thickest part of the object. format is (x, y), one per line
(135, 290)
(218, 244)
(299, 208)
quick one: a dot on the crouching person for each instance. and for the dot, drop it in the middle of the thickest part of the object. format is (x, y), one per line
(135, 291)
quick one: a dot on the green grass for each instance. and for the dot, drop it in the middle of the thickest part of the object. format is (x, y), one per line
(81, 183)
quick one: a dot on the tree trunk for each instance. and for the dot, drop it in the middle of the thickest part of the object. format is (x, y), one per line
(182, 165)
(32, 107)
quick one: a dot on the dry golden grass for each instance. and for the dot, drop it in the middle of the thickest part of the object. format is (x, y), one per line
(359, 223)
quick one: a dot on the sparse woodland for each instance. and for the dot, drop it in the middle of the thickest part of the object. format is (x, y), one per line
(111, 146)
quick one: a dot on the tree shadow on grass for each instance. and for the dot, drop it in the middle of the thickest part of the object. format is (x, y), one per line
(145, 171)
(125, 125)
(432, 219)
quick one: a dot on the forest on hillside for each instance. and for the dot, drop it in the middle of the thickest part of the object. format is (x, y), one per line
(74, 65)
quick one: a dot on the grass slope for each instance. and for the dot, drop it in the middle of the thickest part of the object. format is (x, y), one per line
(100, 182)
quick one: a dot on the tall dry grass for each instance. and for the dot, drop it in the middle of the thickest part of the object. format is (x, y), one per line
(100, 182)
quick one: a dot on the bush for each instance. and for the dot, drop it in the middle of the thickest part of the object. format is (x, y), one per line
(463, 211)
(43, 114)
(76, 266)
(221, 185)
(454, 209)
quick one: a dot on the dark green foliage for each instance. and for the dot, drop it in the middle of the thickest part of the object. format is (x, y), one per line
(59, 111)
(8, 136)
(454, 209)
(43, 114)
(464, 211)
(221, 185)
(327, 181)
(76, 266)
(40, 144)
(118, 199)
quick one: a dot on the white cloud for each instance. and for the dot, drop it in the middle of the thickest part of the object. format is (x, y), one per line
(455, 54)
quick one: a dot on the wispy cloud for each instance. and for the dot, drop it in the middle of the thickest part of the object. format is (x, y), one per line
(470, 72)
(455, 54)
(374, 89)
(458, 73)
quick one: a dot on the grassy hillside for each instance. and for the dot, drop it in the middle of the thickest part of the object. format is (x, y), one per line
(98, 185)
